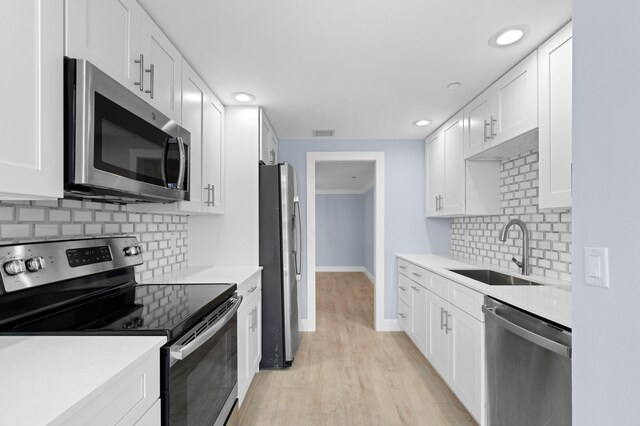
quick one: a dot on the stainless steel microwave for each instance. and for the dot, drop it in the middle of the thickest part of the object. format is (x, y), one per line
(118, 148)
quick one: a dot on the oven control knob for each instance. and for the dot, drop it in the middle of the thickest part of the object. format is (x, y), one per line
(35, 264)
(132, 250)
(14, 267)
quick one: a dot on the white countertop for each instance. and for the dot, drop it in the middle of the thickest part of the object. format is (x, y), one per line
(42, 377)
(551, 300)
(206, 275)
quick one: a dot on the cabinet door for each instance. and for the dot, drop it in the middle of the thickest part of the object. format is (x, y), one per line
(193, 106)
(555, 72)
(467, 362)
(163, 64)
(477, 116)
(437, 339)
(515, 94)
(244, 335)
(274, 146)
(31, 34)
(107, 34)
(266, 139)
(434, 174)
(256, 337)
(404, 316)
(419, 316)
(213, 152)
(453, 201)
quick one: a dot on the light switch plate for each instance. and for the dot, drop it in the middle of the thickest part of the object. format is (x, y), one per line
(596, 266)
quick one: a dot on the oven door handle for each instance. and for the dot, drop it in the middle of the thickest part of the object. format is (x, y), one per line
(180, 352)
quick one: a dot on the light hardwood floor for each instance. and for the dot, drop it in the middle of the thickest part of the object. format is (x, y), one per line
(347, 374)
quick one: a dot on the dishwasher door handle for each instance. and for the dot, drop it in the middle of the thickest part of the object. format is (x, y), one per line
(527, 334)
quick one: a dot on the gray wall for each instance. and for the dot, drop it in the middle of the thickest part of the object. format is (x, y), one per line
(606, 205)
(406, 228)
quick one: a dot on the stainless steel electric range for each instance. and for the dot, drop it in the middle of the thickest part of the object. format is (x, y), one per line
(88, 287)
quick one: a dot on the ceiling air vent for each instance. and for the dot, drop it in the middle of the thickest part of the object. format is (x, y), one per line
(322, 133)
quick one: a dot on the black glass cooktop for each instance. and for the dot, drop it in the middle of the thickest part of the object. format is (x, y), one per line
(147, 309)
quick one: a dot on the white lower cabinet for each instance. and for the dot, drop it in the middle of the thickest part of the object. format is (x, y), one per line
(446, 323)
(249, 333)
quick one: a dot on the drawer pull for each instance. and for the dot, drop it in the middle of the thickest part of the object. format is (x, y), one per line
(403, 288)
(402, 267)
(252, 289)
(416, 274)
(402, 315)
(415, 288)
(442, 321)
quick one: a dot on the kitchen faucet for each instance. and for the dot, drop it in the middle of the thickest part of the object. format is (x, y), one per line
(524, 265)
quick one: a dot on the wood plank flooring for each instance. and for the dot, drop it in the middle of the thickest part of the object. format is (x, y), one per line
(347, 374)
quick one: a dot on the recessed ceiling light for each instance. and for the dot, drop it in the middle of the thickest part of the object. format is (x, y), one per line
(454, 86)
(243, 97)
(508, 36)
(421, 123)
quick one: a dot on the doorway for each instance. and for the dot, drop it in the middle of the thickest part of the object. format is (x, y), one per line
(375, 160)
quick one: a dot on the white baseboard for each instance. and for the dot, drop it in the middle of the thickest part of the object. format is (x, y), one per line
(390, 325)
(362, 269)
(304, 325)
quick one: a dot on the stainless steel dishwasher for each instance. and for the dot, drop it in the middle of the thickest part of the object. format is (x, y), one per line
(528, 368)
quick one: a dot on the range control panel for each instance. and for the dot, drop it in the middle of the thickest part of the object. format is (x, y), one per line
(29, 265)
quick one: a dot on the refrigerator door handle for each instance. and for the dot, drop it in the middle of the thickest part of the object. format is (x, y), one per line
(298, 240)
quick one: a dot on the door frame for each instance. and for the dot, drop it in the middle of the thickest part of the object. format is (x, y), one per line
(378, 229)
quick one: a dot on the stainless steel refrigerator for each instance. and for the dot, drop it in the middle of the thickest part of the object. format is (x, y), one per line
(280, 257)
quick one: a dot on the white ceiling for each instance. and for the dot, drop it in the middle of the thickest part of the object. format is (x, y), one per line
(366, 68)
(348, 177)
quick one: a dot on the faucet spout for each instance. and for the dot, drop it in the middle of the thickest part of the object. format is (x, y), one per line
(524, 265)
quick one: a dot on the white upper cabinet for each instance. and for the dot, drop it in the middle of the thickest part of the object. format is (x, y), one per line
(268, 141)
(555, 73)
(163, 64)
(213, 167)
(455, 187)
(120, 38)
(506, 111)
(31, 164)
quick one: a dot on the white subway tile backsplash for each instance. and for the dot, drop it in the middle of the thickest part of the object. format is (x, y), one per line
(550, 231)
(23, 221)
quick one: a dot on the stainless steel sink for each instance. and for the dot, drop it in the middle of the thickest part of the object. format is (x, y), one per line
(490, 277)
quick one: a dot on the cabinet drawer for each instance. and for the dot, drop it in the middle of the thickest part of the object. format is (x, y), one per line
(438, 285)
(468, 300)
(404, 267)
(418, 275)
(249, 288)
(404, 289)
(404, 314)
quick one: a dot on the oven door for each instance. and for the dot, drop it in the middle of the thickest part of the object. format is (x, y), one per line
(200, 381)
(119, 143)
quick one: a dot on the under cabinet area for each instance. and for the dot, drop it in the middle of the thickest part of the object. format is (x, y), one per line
(249, 333)
(31, 165)
(445, 321)
(121, 39)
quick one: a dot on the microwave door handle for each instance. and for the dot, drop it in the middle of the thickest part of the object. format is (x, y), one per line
(164, 167)
(180, 352)
(183, 164)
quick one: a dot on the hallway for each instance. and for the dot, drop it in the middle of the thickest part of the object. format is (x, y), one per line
(347, 374)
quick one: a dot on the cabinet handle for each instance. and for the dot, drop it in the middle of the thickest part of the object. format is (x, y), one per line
(442, 312)
(448, 318)
(151, 72)
(414, 288)
(486, 125)
(402, 267)
(141, 82)
(273, 156)
(403, 288)
(402, 315)
(494, 124)
(416, 274)
(252, 289)
(211, 200)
